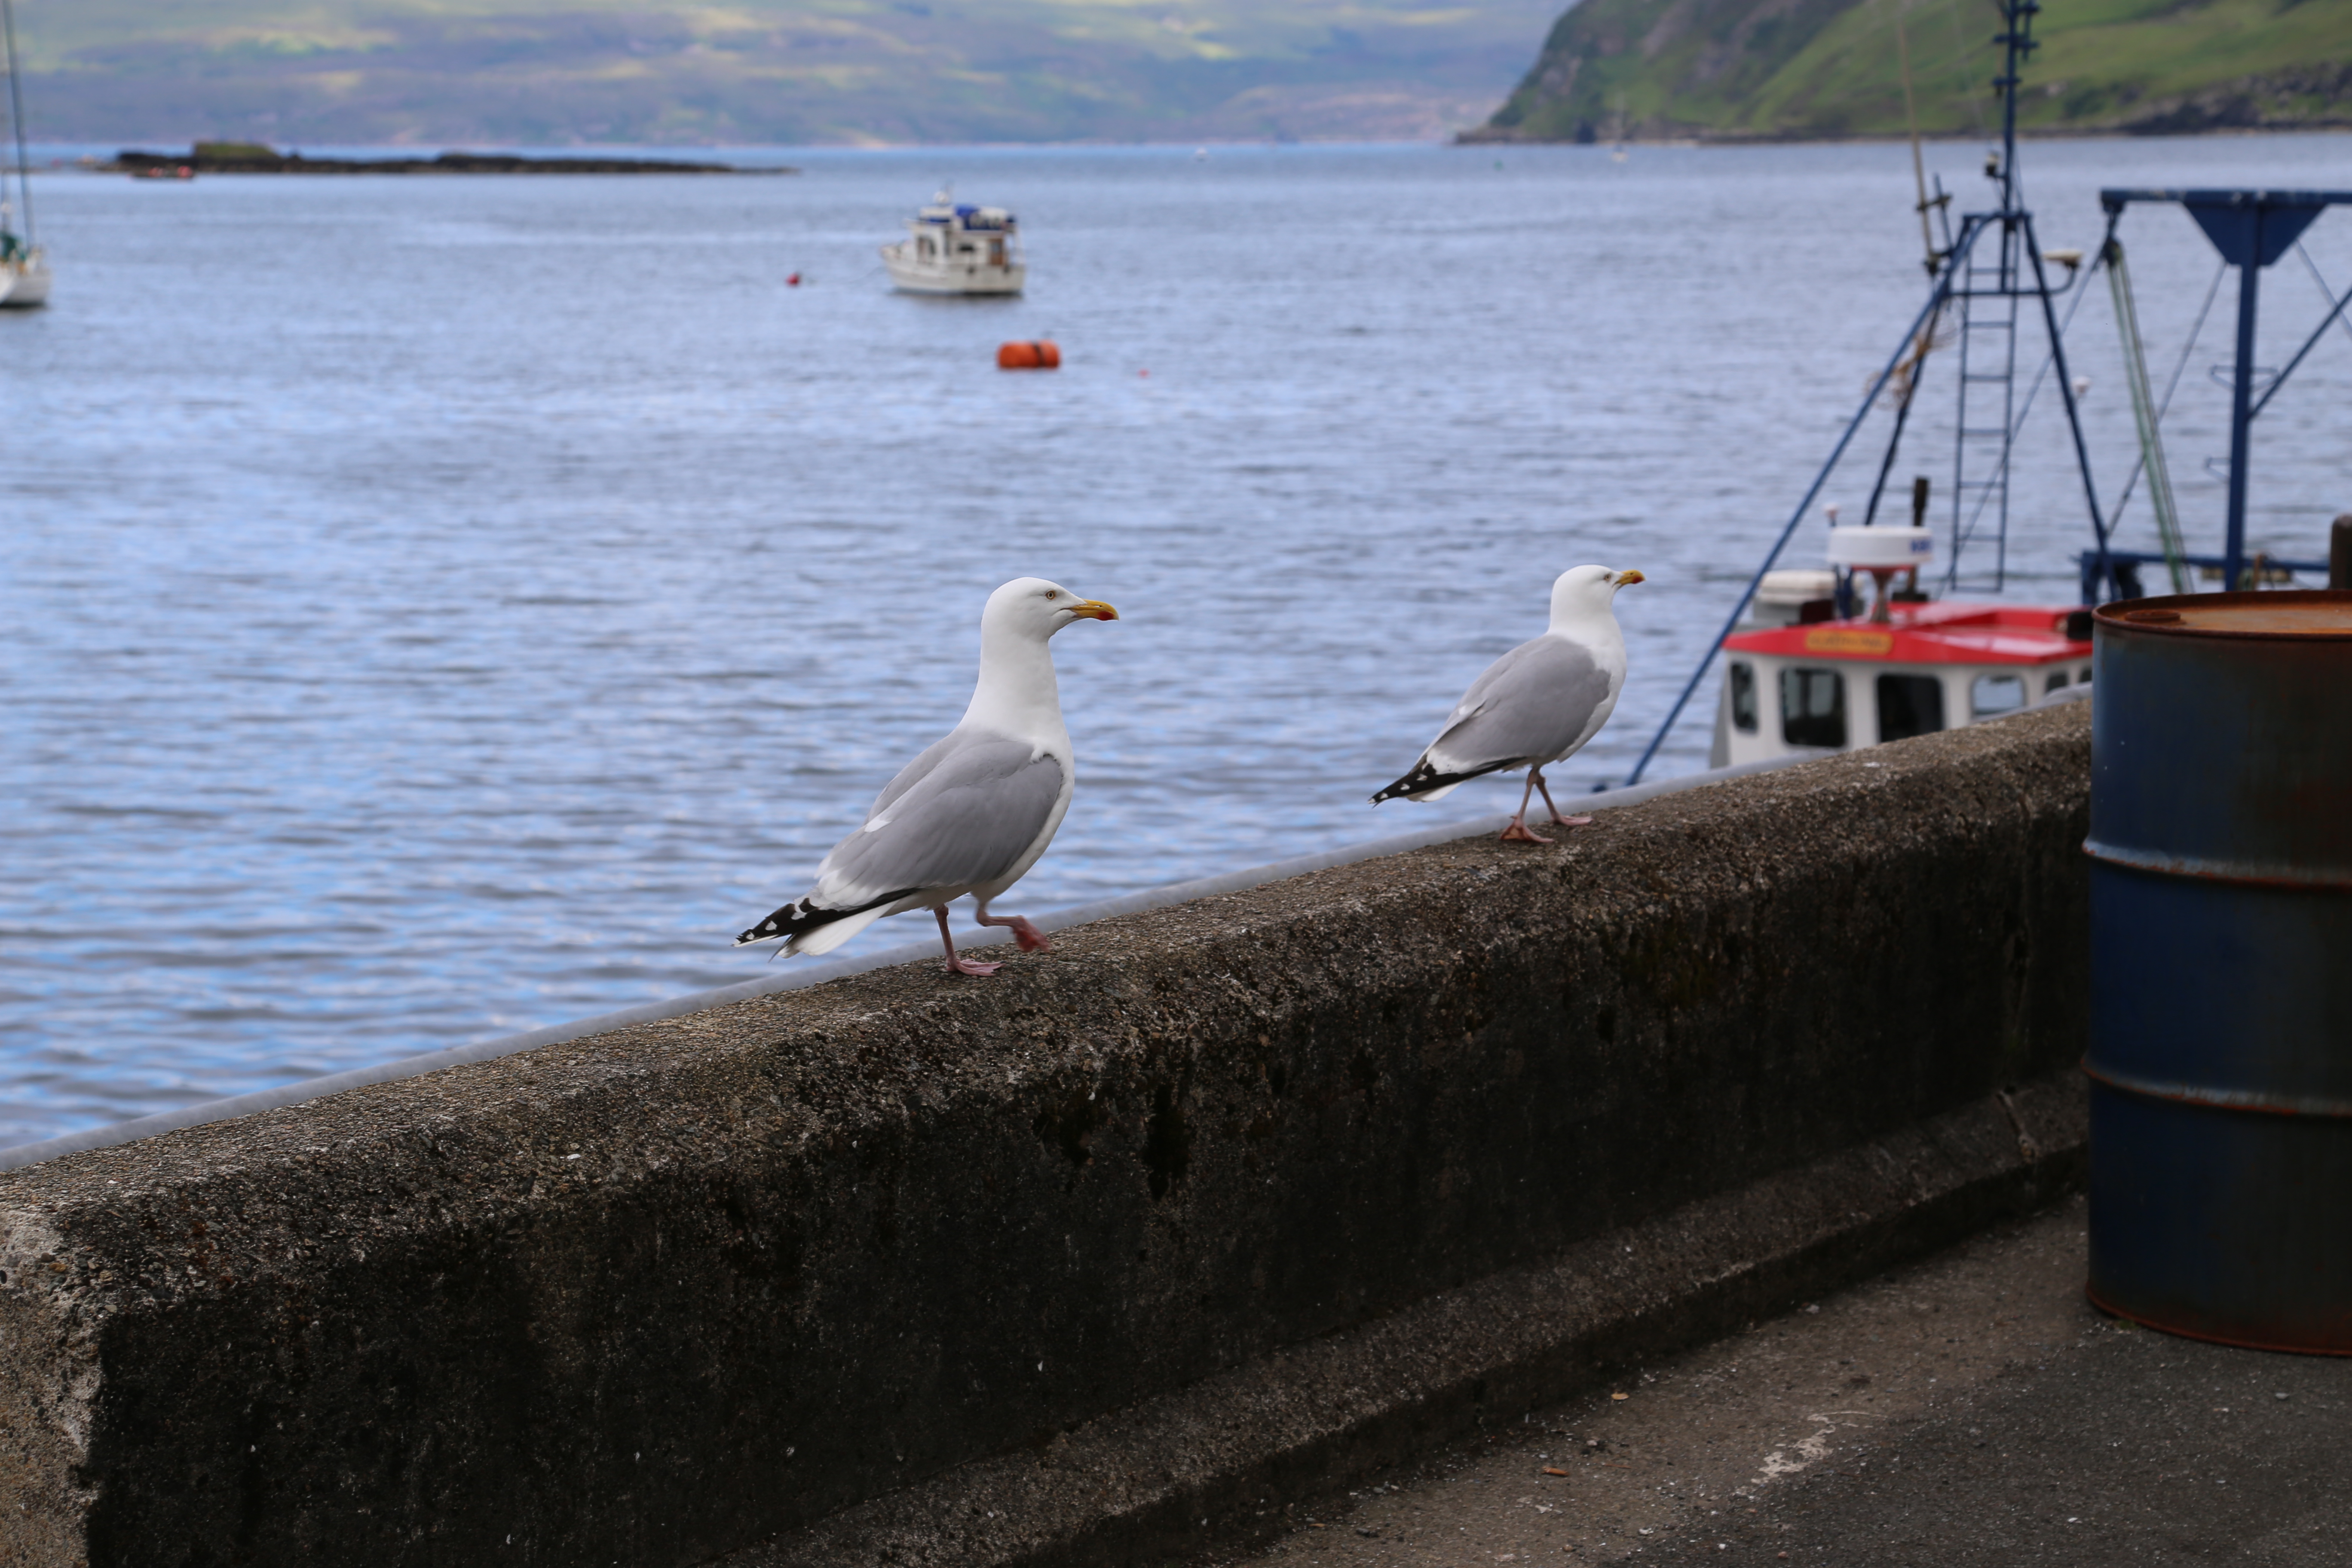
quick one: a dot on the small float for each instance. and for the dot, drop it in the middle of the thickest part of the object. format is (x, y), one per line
(1043, 354)
(955, 247)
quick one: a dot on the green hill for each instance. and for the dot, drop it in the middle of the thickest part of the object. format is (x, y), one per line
(558, 72)
(1772, 69)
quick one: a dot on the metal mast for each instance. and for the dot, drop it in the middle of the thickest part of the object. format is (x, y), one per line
(17, 115)
(1988, 294)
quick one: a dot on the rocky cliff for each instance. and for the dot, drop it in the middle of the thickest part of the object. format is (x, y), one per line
(1795, 70)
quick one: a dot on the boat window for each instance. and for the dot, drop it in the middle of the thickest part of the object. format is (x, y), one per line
(1813, 707)
(1992, 694)
(1743, 696)
(2057, 679)
(1909, 705)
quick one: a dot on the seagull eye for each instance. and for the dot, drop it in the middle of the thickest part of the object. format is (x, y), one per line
(1053, 593)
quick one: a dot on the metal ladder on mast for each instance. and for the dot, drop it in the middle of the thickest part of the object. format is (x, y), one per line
(1986, 417)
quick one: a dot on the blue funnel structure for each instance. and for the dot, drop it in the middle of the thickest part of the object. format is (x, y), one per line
(2252, 229)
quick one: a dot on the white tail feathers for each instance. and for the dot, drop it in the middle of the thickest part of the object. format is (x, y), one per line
(833, 934)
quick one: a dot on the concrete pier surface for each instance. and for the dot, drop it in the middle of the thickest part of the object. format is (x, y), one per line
(1969, 1411)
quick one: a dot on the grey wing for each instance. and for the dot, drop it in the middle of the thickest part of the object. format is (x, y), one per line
(913, 774)
(1531, 704)
(967, 818)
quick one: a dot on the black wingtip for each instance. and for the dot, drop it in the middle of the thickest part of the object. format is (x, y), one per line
(1420, 781)
(789, 921)
(805, 915)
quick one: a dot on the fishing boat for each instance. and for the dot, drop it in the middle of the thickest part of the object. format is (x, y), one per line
(23, 265)
(955, 247)
(1800, 680)
(1809, 667)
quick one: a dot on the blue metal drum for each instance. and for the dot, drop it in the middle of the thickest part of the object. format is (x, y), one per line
(2220, 1059)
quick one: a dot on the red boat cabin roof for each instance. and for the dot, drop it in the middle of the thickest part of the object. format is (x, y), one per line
(1940, 633)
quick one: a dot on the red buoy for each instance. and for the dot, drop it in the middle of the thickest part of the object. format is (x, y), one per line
(792, 280)
(1040, 355)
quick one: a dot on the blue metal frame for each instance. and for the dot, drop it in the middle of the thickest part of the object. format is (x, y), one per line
(2121, 568)
(2252, 229)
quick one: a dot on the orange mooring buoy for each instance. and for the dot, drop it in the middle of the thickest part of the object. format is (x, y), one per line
(1039, 355)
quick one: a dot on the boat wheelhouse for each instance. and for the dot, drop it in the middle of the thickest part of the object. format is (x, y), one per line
(1800, 678)
(955, 247)
(1824, 685)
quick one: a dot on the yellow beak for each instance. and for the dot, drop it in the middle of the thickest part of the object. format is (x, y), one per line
(1093, 610)
(1629, 576)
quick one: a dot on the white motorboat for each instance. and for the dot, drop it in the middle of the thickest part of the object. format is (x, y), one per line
(24, 270)
(954, 248)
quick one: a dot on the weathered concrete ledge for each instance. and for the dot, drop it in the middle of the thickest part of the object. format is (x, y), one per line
(1144, 1485)
(663, 1293)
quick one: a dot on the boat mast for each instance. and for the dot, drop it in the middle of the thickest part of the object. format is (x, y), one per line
(17, 117)
(2014, 275)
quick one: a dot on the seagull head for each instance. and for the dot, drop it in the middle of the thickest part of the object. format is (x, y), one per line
(1035, 608)
(1584, 593)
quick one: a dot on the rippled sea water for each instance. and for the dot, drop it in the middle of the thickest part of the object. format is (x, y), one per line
(438, 607)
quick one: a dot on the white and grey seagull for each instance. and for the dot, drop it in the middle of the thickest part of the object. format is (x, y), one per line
(1538, 704)
(972, 814)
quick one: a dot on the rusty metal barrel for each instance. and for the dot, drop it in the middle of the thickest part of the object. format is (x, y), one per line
(2221, 1052)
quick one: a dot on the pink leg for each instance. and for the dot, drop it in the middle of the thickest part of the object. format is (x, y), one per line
(960, 966)
(1557, 818)
(1031, 939)
(1517, 833)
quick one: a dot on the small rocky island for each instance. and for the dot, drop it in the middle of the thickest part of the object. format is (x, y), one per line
(253, 158)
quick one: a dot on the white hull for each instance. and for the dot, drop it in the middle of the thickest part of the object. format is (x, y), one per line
(25, 282)
(920, 276)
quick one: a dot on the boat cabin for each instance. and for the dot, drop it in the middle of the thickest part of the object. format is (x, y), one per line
(955, 247)
(948, 232)
(1822, 684)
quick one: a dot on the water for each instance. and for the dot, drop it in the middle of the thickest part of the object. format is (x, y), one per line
(435, 608)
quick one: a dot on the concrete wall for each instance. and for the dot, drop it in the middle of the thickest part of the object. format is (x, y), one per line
(651, 1295)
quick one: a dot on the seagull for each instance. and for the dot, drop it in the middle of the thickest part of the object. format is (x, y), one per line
(975, 810)
(1538, 704)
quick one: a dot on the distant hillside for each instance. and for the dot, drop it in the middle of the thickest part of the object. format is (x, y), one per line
(650, 72)
(1743, 70)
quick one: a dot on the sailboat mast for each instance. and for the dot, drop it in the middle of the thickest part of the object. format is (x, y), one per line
(16, 116)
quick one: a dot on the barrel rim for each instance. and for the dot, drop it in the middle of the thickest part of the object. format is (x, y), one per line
(2216, 1097)
(2151, 1320)
(2214, 868)
(2110, 616)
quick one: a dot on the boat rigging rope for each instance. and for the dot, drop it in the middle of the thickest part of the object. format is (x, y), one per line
(2144, 416)
(1906, 386)
(2325, 287)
